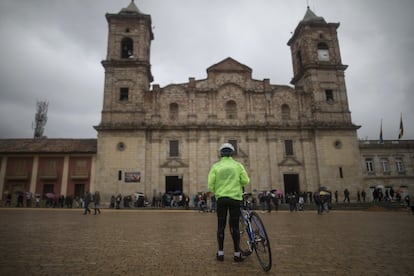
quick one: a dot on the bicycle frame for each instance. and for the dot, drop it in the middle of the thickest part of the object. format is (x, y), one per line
(257, 239)
(246, 216)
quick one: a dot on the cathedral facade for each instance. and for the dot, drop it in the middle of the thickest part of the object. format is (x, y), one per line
(156, 139)
(152, 139)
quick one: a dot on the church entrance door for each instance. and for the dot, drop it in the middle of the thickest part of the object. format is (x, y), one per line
(291, 182)
(174, 184)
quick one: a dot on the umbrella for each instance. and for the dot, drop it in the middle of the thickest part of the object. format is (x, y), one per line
(323, 188)
(379, 187)
(50, 195)
(322, 193)
(177, 192)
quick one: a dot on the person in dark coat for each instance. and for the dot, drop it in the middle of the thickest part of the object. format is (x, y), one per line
(86, 201)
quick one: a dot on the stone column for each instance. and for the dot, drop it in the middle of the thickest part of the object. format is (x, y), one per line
(65, 175)
(35, 169)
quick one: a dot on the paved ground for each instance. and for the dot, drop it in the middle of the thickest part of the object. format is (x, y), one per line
(151, 242)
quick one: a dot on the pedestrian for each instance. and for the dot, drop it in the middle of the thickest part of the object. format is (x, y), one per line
(19, 200)
(262, 200)
(112, 202)
(8, 200)
(346, 195)
(269, 202)
(86, 201)
(37, 199)
(118, 200)
(392, 193)
(275, 199)
(187, 202)
(28, 199)
(358, 196)
(310, 196)
(96, 202)
(213, 204)
(226, 181)
(301, 203)
(363, 195)
(293, 202)
(319, 203)
(336, 196)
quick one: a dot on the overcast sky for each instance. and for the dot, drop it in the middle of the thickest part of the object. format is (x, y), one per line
(51, 50)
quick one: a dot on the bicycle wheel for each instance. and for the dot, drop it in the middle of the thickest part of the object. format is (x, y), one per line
(261, 242)
(244, 238)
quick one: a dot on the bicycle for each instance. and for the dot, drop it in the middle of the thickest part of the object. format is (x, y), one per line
(253, 232)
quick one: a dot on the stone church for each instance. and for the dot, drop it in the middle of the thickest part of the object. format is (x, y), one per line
(158, 139)
(153, 139)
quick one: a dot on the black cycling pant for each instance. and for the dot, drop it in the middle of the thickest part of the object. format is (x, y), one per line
(224, 205)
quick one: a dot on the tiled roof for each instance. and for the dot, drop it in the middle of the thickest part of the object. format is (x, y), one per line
(48, 145)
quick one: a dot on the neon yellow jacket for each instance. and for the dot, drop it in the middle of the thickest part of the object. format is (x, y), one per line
(226, 178)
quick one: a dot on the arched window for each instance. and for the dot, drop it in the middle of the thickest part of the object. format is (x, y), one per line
(285, 112)
(127, 47)
(323, 52)
(231, 110)
(174, 111)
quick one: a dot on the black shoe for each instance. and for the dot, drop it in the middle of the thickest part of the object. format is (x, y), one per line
(239, 259)
(220, 258)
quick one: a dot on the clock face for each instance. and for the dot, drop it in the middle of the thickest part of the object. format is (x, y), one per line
(323, 55)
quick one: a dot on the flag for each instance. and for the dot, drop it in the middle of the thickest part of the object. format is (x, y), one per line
(400, 135)
(380, 136)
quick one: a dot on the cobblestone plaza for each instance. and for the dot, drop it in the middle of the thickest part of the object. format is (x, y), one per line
(178, 242)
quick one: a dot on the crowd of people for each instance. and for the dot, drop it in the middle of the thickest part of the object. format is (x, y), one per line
(265, 201)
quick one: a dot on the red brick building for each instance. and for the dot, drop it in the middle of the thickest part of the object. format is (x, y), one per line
(41, 166)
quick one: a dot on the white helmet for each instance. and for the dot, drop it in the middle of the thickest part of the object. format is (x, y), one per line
(227, 146)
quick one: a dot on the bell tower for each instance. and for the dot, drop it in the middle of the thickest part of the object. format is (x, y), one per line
(319, 79)
(318, 70)
(127, 68)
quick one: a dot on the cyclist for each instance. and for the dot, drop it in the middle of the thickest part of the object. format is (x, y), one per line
(226, 180)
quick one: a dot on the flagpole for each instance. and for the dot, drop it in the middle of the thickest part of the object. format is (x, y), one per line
(381, 138)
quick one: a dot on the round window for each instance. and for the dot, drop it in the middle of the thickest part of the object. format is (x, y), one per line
(121, 146)
(338, 144)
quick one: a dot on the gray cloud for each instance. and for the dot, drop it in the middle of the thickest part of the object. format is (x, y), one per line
(51, 50)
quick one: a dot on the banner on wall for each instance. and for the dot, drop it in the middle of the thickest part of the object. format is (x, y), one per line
(132, 176)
